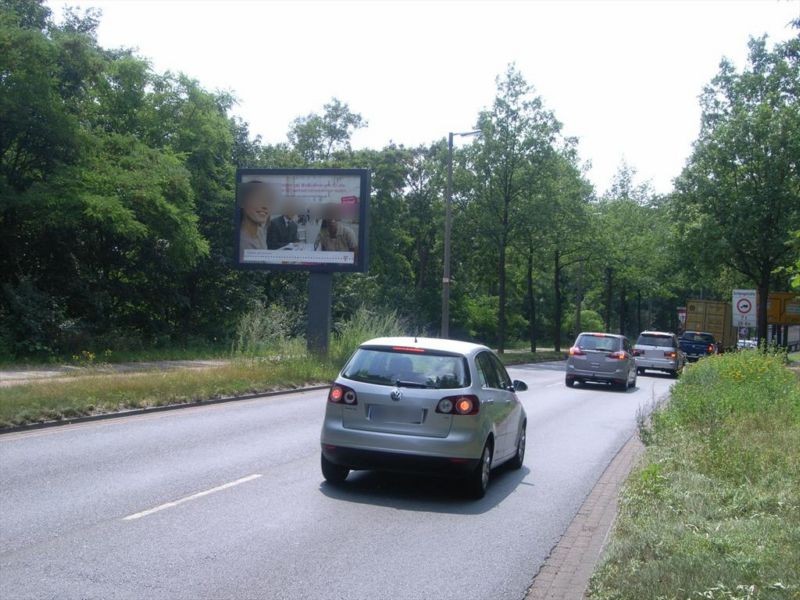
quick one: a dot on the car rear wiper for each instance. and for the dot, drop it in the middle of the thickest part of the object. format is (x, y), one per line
(411, 384)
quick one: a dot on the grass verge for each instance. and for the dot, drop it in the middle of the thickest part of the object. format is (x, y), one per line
(48, 401)
(714, 510)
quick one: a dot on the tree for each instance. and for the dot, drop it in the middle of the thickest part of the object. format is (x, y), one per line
(739, 195)
(515, 133)
(316, 137)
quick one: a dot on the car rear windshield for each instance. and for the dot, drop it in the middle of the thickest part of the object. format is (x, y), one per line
(594, 341)
(660, 341)
(411, 368)
(693, 336)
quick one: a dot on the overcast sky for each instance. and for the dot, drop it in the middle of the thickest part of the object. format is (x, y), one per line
(623, 77)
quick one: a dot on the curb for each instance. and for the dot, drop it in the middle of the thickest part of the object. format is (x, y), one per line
(152, 409)
(566, 572)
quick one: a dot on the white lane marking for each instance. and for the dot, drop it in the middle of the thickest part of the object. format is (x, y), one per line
(555, 384)
(219, 488)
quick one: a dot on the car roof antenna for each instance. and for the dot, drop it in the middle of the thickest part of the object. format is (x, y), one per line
(415, 339)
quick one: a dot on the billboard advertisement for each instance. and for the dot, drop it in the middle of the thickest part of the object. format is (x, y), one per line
(302, 219)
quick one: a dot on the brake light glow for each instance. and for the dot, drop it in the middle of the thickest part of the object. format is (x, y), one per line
(342, 393)
(408, 349)
(619, 355)
(575, 351)
(459, 405)
(711, 348)
(670, 354)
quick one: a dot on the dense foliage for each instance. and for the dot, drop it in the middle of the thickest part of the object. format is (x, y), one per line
(116, 205)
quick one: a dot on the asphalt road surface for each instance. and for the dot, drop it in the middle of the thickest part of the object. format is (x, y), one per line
(227, 501)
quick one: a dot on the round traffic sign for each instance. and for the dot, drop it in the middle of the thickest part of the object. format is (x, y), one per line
(744, 306)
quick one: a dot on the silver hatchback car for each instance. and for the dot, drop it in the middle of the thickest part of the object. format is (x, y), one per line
(659, 351)
(602, 357)
(417, 404)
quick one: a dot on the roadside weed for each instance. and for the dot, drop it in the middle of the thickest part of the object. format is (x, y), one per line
(714, 510)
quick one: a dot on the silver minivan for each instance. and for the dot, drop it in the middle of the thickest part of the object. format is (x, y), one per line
(417, 404)
(601, 357)
(658, 351)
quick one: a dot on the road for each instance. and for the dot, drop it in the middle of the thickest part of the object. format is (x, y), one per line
(226, 501)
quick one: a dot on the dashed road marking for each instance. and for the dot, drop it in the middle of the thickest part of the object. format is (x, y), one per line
(213, 490)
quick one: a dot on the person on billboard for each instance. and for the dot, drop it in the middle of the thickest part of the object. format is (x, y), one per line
(282, 229)
(334, 235)
(256, 200)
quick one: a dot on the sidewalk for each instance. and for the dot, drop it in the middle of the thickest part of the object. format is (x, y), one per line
(566, 572)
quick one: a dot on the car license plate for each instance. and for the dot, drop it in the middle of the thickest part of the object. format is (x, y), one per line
(380, 413)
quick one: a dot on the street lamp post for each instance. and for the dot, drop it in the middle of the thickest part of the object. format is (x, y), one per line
(448, 223)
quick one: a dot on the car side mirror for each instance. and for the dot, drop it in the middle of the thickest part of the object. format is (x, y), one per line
(519, 386)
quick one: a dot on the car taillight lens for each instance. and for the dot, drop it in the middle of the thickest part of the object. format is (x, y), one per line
(670, 354)
(637, 352)
(341, 394)
(620, 355)
(459, 405)
(711, 348)
(575, 351)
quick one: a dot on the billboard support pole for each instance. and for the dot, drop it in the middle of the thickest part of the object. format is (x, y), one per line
(320, 296)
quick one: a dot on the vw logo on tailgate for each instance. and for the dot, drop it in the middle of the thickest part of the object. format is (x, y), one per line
(396, 395)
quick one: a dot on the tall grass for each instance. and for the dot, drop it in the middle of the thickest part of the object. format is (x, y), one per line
(714, 511)
(362, 326)
(267, 331)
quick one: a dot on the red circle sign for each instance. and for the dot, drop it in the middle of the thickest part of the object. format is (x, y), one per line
(744, 305)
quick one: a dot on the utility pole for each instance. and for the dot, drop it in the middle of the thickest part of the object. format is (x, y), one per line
(579, 298)
(448, 223)
(448, 216)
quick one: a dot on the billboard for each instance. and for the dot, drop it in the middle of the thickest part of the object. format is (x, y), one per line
(302, 219)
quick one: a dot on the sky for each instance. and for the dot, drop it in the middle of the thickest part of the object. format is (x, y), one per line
(623, 77)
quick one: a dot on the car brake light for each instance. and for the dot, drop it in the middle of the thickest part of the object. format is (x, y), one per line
(342, 393)
(711, 348)
(619, 355)
(459, 405)
(575, 351)
(637, 352)
(408, 349)
(670, 354)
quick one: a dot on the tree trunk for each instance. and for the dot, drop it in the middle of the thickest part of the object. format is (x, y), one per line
(531, 300)
(622, 310)
(557, 298)
(609, 291)
(639, 311)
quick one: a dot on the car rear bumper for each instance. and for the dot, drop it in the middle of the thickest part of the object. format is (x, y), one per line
(463, 442)
(358, 459)
(656, 363)
(616, 376)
